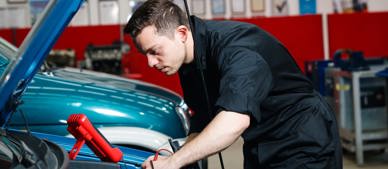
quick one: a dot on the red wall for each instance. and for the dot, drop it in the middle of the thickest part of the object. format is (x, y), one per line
(302, 35)
(367, 32)
(15, 36)
(73, 37)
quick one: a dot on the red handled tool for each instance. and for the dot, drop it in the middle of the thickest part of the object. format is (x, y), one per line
(83, 130)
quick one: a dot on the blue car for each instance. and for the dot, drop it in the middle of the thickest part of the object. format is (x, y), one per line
(25, 149)
(127, 112)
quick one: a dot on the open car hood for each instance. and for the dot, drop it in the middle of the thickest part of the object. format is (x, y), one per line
(18, 71)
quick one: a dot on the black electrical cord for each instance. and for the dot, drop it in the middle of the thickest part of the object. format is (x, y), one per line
(25, 122)
(16, 104)
(199, 64)
(6, 123)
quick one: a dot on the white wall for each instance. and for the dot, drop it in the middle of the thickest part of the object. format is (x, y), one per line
(325, 6)
(3, 3)
(82, 17)
(90, 16)
(14, 15)
(377, 5)
(124, 11)
(93, 9)
(293, 7)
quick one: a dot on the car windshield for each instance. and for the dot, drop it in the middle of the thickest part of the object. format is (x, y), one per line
(7, 58)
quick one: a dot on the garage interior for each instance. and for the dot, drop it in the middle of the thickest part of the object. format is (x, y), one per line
(341, 45)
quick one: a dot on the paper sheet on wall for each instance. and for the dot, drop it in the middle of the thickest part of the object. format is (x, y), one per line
(257, 5)
(109, 12)
(307, 7)
(218, 7)
(238, 6)
(36, 8)
(279, 7)
(17, 17)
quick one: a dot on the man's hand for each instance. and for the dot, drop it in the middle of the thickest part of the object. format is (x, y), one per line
(212, 139)
(162, 162)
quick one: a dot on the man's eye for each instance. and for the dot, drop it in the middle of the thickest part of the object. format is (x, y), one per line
(154, 52)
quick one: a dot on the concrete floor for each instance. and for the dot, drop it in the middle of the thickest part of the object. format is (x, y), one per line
(233, 159)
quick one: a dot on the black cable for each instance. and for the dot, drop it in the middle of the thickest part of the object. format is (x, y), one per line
(6, 124)
(12, 104)
(25, 122)
(16, 104)
(152, 164)
(210, 113)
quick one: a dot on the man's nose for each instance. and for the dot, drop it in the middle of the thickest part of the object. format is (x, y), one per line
(152, 61)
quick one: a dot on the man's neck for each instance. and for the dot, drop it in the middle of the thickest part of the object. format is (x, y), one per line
(189, 49)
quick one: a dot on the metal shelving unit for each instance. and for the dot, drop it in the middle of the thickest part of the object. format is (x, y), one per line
(360, 101)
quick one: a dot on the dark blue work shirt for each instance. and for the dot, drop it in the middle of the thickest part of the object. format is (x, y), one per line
(248, 71)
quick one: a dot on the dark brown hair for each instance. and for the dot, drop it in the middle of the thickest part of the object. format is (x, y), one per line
(163, 14)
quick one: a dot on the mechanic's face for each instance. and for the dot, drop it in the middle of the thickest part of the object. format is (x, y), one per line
(163, 52)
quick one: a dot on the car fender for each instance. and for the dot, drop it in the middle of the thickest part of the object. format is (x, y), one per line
(140, 137)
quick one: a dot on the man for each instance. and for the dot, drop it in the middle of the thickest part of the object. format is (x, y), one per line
(255, 90)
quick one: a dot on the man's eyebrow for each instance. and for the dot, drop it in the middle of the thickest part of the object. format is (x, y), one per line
(141, 49)
(150, 48)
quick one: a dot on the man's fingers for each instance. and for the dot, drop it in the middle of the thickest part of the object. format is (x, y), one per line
(146, 163)
(150, 158)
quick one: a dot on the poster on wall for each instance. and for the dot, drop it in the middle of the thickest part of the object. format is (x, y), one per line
(17, 17)
(279, 7)
(347, 6)
(81, 18)
(307, 7)
(108, 12)
(257, 6)
(350, 6)
(36, 8)
(218, 8)
(360, 6)
(238, 7)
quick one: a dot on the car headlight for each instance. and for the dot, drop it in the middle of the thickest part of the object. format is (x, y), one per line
(183, 112)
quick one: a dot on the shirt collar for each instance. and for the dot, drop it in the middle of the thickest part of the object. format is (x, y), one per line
(199, 37)
(200, 43)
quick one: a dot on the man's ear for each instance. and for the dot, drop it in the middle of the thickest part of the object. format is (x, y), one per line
(182, 33)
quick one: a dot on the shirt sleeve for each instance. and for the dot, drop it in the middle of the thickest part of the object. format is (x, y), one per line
(246, 80)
